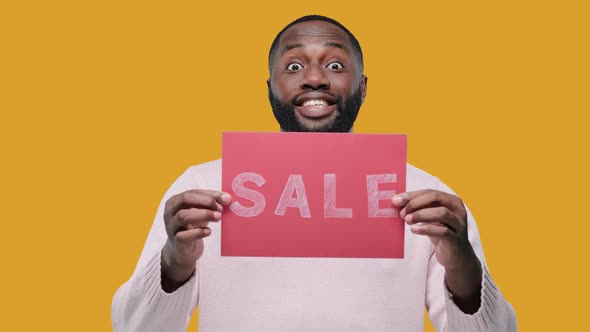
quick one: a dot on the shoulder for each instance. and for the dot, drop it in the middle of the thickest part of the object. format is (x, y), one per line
(206, 175)
(213, 166)
(417, 179)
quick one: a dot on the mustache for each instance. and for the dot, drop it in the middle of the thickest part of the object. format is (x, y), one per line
(347, 111)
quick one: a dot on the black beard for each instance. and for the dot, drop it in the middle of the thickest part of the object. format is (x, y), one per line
(347, 111)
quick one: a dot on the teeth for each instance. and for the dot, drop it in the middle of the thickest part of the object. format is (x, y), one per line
(315, 102)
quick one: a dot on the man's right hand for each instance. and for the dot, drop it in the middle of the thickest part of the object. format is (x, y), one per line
(187, 216)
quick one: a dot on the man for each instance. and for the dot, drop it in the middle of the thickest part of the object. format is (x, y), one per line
(316, 84)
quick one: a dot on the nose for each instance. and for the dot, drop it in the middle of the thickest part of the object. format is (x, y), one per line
(314, 78)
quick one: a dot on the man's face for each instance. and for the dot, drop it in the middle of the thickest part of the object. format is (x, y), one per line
(316, 83)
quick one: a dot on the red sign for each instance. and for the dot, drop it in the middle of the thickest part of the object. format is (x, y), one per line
(313, 195)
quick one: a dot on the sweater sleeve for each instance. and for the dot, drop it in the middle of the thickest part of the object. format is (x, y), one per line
(494, 314)
(140, 304)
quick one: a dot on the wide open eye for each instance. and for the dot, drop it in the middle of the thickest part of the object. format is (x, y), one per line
(334, 66)
(294, 66)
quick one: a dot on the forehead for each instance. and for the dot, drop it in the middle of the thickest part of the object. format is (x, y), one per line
(314, 32)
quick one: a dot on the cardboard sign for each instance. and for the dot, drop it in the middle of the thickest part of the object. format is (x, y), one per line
(313, 195)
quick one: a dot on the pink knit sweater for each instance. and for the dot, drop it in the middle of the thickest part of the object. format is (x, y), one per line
(303, 294)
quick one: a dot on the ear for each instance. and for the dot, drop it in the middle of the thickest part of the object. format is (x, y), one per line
(269, 86)
(364, 80)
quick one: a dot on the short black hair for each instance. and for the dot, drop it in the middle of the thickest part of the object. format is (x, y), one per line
(356, 47)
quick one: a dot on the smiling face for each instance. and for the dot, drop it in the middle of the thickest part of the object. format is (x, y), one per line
(316, 81)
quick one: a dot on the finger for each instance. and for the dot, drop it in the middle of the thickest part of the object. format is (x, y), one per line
(402, 199)
(432, 230)
(193, 234)
(195, 217)
(221, 197)
(207, 199)
(436, 216)
(189, 199)
(431, 198)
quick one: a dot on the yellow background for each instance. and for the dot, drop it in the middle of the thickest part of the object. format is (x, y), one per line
(104, 103)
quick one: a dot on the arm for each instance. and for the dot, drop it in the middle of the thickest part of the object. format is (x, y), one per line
(460, 294)
(163, 291)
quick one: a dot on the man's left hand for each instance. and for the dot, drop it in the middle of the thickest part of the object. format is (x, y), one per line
(443, 218)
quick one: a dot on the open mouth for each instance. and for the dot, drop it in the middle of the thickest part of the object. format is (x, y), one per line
(315, 106)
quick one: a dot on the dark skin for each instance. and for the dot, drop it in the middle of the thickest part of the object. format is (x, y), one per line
(315, 61)
(187, 216)
(443, 218)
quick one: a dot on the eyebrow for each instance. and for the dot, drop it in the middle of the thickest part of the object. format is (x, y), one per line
(289, 47)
